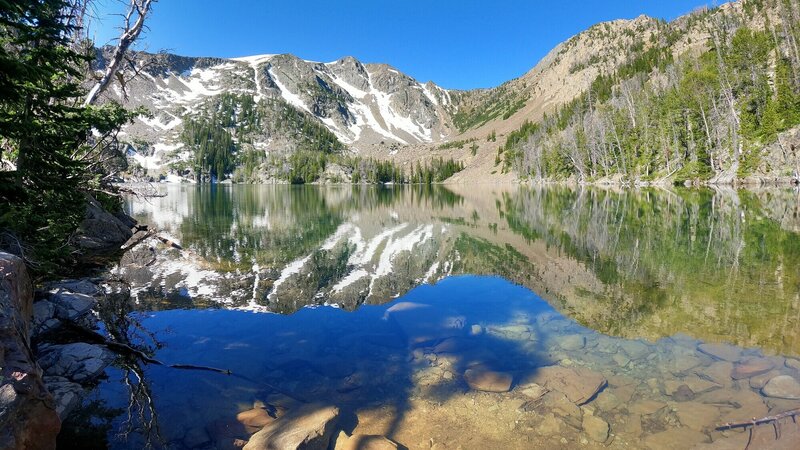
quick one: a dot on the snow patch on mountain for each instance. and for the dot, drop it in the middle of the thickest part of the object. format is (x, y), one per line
(290, 97)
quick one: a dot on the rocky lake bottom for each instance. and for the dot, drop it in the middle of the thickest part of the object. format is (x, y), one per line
(472, 362)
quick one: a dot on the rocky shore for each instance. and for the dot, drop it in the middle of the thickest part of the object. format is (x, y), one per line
(45, 372)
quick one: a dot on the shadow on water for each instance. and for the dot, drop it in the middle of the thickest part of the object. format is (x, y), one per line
(377, 359)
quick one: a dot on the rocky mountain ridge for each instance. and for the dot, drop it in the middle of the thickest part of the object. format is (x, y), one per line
(360, 104)
(376, 111)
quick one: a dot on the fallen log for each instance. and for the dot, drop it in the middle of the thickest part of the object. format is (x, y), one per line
(120, 348)
(773, 420)
(793, 413)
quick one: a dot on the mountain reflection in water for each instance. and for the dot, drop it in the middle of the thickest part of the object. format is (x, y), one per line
(720, 265)
(472, 317)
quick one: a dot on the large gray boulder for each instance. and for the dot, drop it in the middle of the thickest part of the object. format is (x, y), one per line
(28, 419)
(78, 362)
(100, 233)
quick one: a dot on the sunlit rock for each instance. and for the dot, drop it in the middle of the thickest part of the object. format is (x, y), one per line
(307, 427)
(255, 418)
(595, 427)
(697, 416)
(646, 407)
(364, 442)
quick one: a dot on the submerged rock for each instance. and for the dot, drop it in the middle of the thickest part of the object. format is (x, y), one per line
(782, 386)
(425, 323)
(596, 428)
(697, 416)
(486, 380)
(606, 401)
(646, 407)
(634, 349)
(724, 352)
(572, 342)
(793, 363)
(534, 391)
(549, 426)
(719, 372)
(308, 427)
(674, 438)
(751, 368)
(558, 404)
(579, 384)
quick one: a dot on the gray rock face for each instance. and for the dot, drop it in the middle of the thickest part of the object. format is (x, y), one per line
(67, 394)
(85, 287)
(362, 104)
(71, 306)
(28, 419)
(77, 362)
(100, 233)
(44, 317)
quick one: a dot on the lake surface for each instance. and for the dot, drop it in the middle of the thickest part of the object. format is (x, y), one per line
(673, 311)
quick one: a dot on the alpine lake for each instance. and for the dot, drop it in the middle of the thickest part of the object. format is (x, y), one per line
(471, 317)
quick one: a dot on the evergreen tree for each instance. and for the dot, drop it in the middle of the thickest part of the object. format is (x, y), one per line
(46, 130)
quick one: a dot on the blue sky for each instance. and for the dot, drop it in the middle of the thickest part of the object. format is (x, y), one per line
(457, 44)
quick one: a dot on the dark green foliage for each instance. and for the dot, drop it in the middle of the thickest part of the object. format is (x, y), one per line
(501, 102)
(436, 171)
(213, 147)
(455, 144)
(220, 136)
(47, 132)
(686, 120)
(306, 167)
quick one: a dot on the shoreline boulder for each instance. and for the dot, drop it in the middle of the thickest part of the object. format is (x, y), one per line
(28, 418)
